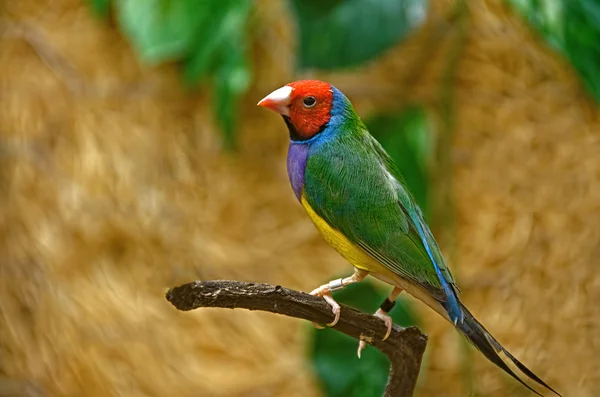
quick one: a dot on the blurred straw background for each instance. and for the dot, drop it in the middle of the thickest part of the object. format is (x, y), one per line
(114, 186)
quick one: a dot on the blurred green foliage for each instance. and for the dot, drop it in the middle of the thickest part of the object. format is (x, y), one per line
(209, 38)
(343, 33)
(161, 30)
(408, 139)
(340, 372)
(100, 7)
(573, 28)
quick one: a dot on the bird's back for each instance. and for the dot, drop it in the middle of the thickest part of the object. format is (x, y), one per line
(350, 187)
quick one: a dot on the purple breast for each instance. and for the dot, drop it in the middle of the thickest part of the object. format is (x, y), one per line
(296, 165)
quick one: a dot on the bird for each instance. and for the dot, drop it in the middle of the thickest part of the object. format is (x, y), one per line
(358, 200)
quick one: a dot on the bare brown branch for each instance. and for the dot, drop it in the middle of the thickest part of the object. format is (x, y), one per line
(404, 347)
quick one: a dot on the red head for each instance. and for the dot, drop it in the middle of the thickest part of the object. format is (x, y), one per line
(305, 106)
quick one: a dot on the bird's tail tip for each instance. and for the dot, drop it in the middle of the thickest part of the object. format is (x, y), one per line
(493, 351)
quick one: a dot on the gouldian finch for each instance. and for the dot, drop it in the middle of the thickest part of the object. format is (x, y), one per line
(359, 202)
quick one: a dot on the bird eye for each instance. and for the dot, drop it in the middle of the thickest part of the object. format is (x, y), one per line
(309, 101)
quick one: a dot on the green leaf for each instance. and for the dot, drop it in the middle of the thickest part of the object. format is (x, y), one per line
(343, 33)
(162, 30)
(572, 27)
(224, 55)
(100, 7)
(231, 81)
(407, 137)
(333, 354)
(208, 36)
(581, 41)
(223, 31)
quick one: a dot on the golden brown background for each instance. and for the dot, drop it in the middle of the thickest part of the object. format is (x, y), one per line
(114, 187)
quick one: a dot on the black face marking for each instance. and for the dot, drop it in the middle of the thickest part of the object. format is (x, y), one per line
(295, 136)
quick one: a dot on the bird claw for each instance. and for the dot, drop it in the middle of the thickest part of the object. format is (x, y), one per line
(325, 292)
(361, 345)
(335, 309)
(387, 320)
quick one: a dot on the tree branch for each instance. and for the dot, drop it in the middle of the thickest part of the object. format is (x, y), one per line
(404, 347)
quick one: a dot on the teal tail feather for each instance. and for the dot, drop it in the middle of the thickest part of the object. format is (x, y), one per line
(485, 342)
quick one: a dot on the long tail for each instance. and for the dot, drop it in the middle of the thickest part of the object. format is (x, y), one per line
(484, 342)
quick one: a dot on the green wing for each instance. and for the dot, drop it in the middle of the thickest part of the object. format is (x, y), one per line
(352, 183)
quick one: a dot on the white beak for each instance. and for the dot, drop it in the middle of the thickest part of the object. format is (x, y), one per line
(279, 100)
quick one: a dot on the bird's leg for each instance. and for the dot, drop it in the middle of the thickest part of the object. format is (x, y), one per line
(325, 291)
(386, 306)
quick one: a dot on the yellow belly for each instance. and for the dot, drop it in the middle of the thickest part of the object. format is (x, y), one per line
(350, 251)
(361, 260)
